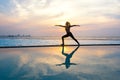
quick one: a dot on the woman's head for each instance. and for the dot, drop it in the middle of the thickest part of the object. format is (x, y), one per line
(67, 23)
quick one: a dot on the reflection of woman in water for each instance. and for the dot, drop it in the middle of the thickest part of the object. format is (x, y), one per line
(68, 33)
(67, 62)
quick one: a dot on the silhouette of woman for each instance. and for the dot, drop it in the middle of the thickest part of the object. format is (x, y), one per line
(68, 33)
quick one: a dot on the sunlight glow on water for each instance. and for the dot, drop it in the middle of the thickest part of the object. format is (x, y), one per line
(92, 63)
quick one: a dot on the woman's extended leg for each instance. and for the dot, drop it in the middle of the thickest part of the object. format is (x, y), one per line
(71, 35)
(63, 38)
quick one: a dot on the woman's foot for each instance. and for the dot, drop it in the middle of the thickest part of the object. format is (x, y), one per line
(62, 44)
(78, 44)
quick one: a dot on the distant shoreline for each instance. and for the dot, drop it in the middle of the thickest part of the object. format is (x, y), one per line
(59, 37)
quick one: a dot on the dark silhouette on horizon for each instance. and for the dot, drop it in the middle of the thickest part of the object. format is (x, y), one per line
(68, 32)
(67, 62)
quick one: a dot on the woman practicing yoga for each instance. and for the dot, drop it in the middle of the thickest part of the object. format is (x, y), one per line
(68, 33)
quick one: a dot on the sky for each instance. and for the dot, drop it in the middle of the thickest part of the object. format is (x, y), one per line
(38, 17)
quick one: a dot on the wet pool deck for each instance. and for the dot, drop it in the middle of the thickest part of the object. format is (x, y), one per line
(58, 45)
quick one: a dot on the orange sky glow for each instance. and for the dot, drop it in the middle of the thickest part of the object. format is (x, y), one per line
(38, 17)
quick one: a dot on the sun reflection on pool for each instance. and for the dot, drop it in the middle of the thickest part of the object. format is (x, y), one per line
(41, 63)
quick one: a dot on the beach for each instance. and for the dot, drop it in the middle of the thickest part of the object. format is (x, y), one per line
(43, 63)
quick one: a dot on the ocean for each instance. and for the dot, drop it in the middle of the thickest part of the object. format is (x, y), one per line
(32, 41)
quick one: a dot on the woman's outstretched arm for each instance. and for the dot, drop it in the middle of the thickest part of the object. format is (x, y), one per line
(60, 25)
(75, 25)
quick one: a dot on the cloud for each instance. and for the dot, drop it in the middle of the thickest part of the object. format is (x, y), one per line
(27, 15)
(97, 8)
(29, 7)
